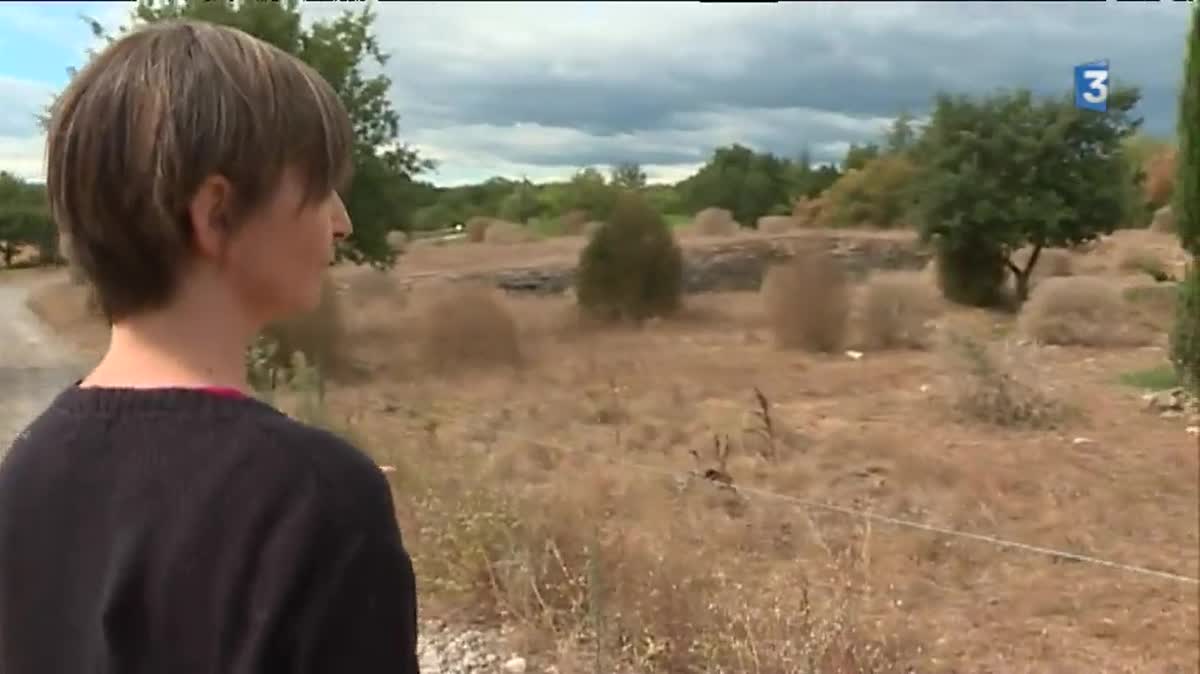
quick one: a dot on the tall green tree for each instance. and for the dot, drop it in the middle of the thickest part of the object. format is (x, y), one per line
(1185, 338)
(1008, 171)
(345, 50)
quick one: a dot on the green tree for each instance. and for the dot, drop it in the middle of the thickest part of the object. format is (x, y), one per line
(857, 156)
(383, 195)
(25, 221)
(521, 204)
(1008, 171)
(749, 184)
(1185, 337)
(631, 269)
(628, 176)
(588, 191)
(901, 135)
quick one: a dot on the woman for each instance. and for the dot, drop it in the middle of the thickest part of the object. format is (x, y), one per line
(156, 518)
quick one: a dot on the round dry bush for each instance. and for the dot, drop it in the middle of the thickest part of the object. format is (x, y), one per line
(715, 222)
(807, 302)
(469, 326)
(1164, 221)
(590, 228)
(397, 241)
(504, 232)
(1144, 261)
(776, 224)
(898, 311)
(1080, 311)
(319, 335)
(476, 228)
(572, 222)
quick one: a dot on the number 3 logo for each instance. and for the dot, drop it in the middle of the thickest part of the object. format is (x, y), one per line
(1097, 86)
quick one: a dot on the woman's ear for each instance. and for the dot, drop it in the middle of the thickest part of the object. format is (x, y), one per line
(210, 213)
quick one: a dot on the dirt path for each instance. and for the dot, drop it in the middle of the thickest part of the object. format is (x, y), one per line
(34, 364)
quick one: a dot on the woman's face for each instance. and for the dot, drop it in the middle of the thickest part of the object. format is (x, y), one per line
(280, 254)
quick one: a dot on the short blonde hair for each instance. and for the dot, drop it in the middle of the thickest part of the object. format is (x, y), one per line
(151, 117)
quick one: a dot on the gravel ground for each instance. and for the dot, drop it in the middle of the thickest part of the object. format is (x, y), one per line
(34, 364)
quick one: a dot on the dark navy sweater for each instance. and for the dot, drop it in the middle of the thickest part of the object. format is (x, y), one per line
(181, 531)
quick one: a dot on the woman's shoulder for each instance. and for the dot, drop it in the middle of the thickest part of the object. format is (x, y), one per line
(347, 476)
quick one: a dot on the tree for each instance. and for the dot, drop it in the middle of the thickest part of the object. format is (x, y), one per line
(1185, 337)
(383, 195)
(746, 183)
(521, 204)
(877, 195)
(901, 135)
(1008, 171)
(25, 221)
(588, 191)
(628, 176)
(857, 156)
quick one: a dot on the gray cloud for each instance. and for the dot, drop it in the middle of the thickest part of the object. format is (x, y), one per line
(680, 79)
(539, 89)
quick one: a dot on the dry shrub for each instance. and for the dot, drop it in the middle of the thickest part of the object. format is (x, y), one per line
(874, 196)
(1144, 261)
(992, 392)
(807, 302)
(1082, 310)
(504, 232)
(898, 311)
(1160, 177)
(590, 228)
(397, 241)
(715, 222)
(1163, 221)
(574, 222)
(810, 211)
(776, 224)
(319, 335)
(468, 326)
(476, 228)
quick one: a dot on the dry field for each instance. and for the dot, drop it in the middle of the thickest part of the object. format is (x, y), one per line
(548, 488)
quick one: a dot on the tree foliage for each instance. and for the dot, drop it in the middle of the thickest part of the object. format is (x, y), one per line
(877, 195)
(383, 195)
(748, 184)
(632, 268)
(628, 176)
(25, 221)
(1185, 338)
(1187, 180)
(1009, 171)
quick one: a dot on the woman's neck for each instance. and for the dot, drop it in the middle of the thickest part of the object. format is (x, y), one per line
(189, 344)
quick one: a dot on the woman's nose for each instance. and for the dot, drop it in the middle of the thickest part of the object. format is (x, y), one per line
(341, 218)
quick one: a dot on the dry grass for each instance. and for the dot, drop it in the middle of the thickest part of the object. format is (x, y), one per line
(573, 223)
(776, 224)
(714, 222)
(807, 301)
(899, 310)
(559, 498)
(476, 228)
(468, 327)
(1163, 221)
(1081, 311)
(1144, 261)
(506, 233)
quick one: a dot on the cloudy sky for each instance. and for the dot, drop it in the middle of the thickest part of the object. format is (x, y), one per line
(539, 90)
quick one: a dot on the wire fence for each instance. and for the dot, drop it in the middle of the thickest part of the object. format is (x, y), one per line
(797, 502)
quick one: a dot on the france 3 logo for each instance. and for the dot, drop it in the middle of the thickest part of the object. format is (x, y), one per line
(1091, 86)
